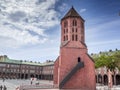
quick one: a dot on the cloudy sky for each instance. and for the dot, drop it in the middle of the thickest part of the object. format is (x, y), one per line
(30, 29)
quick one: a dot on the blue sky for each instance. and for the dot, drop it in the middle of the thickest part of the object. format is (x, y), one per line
(30, 29)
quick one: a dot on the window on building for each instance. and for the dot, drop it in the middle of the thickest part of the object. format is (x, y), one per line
(64, 38)
(72, 29)
(76, 37)
(74, 23)
(76, 30)
(66, 30)
(2, 65)
(73, 37)
(65, 24)
(79, 59)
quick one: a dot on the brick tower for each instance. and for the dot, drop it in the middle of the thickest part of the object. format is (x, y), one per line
(74, 68)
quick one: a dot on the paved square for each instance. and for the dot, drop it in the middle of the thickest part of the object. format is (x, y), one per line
(13, 84)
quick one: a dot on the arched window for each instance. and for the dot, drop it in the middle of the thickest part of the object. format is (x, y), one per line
(73, 37)
(66, 30)
(64, 38)
(76, 30)
(74, 23)
(79, 59)
(72, 29)
(76, 37)
(65, 24)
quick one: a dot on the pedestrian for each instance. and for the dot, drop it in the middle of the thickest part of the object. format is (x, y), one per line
(31, 82)
(1, 87)
(3, 79)
(17, 88)
(4, 88)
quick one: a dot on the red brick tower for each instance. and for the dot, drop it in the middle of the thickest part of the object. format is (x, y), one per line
(74, 68)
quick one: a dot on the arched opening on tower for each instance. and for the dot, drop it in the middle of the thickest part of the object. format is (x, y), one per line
(105, 79)
(76, 37)
(32, 76)
(79, 59)
(74, 23)
(117, 79)
(73, 37)
(65, 24)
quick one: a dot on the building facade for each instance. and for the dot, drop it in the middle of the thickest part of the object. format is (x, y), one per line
(18, 69)
(102, 73)
(14, 69)
(102, 76)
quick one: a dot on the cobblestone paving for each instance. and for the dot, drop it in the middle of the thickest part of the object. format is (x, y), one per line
(13, 84)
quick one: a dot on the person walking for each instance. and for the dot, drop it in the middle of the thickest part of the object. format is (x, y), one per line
(31, 82)
(3, 79)
(4, 88)
(1, 87)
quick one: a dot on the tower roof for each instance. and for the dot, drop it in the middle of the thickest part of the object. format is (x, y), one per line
(72, 13)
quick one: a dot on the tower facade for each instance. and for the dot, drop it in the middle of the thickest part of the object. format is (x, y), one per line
(74, 68)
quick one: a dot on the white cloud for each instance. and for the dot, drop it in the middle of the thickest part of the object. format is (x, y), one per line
(63, 7)
(18, 17)
(82, 10)
(15, 38)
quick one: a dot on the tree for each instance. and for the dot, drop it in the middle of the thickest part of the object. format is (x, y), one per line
(109, 60)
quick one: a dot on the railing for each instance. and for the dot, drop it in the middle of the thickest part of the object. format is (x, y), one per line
(69, 75)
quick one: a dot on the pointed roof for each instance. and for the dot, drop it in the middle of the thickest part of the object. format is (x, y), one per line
(72, 13)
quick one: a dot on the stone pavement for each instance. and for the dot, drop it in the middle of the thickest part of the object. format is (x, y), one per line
(13, 84)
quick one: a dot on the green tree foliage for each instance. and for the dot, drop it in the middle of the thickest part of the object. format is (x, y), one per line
(111, 60)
